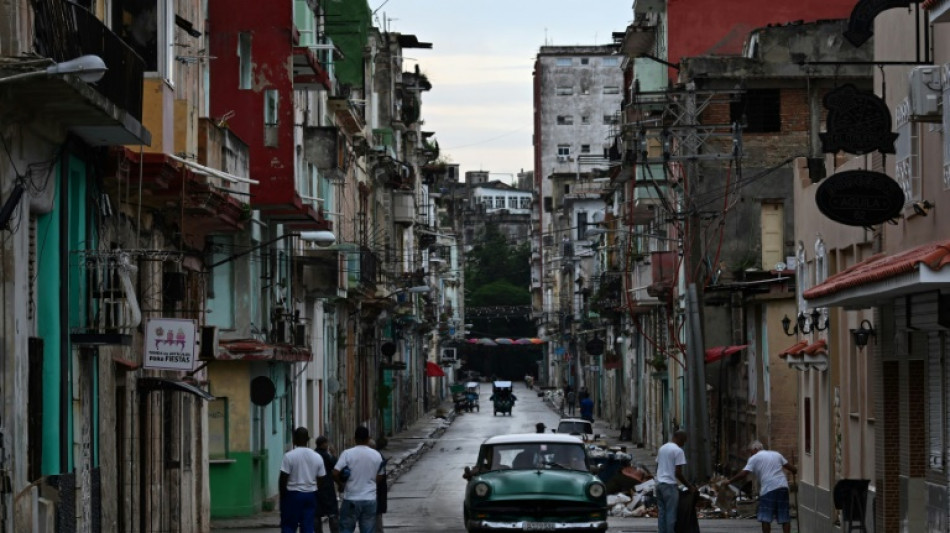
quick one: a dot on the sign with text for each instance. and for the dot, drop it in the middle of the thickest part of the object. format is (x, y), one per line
(858, 122)
(860, 198)
(170, 344)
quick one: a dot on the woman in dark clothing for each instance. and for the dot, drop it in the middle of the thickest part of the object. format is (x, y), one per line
(327, 504)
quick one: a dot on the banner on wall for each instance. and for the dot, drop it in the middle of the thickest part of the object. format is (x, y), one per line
(170, 344)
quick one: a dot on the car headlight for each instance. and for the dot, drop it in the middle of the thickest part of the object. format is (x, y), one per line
(596, 490)
(482, 489)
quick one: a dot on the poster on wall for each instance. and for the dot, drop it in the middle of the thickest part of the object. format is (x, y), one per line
(170, 344)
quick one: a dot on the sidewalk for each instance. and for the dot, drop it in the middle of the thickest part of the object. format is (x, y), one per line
(402, 450)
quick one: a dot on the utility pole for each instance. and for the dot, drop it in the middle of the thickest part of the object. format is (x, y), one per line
(697, 421)
(683, 138)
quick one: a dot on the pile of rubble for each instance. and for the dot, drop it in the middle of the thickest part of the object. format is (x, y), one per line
(632, 490)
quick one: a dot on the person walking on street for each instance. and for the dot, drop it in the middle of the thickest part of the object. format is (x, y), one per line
(587, 407)
(359, 488)
(299, 471)
(326, 490)
(669, 473)
(570, 401)
(767, 465)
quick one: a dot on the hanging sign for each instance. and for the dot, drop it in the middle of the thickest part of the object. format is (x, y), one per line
(170, 344)
(861, 22)
(860, 198)
(859, 122)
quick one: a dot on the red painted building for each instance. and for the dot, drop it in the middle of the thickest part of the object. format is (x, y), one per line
(715, 27)
(260, 60)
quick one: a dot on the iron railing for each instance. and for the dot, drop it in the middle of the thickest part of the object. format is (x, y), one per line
(65, 31)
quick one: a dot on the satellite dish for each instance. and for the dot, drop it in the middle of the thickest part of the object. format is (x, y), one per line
(333, 386)
(262, 390)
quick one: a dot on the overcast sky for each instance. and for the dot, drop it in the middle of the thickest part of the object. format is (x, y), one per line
(480, 67)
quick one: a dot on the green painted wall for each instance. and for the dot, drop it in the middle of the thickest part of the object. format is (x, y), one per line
(348, 24)
(48, 327)
(230, 482)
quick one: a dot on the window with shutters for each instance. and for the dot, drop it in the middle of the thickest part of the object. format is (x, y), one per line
(773, 235)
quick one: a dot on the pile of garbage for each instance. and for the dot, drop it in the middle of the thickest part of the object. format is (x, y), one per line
(632, 490)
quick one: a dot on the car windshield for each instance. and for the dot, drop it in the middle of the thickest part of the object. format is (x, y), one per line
(531, 456)
(575, 428)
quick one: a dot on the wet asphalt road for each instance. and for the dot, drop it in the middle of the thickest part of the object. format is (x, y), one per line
(428, 498)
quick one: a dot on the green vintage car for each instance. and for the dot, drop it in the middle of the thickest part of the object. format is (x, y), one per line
(534, 482)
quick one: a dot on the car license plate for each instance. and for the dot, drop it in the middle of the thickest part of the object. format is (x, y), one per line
(538, 526)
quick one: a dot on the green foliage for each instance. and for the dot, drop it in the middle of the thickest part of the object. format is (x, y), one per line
(493, 259)
(498, 273)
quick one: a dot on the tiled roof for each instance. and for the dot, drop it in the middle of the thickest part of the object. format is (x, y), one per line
(793, 349)
(818, 347)
(881, 267)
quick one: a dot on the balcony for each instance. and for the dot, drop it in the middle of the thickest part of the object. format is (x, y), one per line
(308, 71)
(349, 116)
(107, 113)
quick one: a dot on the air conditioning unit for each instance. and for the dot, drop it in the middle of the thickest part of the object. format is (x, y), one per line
(563, 158)
(924, 92)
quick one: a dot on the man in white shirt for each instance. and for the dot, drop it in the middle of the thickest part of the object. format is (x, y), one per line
(359, 491)
(773, 485)
(299, 471)
(669, 473)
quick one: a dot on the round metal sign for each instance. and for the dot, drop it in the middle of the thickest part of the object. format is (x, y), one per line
(860, 198)
(595, 346)
(262, 390)
(388, 349)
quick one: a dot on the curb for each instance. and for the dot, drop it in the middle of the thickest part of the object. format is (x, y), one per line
(405, 464)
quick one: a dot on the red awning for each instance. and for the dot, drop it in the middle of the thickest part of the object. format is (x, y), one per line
(717, 353)
(433, 370)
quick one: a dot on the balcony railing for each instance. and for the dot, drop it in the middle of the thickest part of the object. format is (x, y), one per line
(66, 31)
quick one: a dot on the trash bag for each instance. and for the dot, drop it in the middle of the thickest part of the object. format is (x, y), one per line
(686, 520)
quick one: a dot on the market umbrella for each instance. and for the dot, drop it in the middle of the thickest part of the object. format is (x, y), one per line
(504, 341)
(487, 342)
(523, 340)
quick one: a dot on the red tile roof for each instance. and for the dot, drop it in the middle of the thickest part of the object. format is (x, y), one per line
(880, 267)
(793, 349)
(820, 346)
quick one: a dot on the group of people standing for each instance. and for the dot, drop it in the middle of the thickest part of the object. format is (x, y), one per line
(310, 478)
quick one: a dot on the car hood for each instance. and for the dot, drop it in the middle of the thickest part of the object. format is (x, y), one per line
(534, 483)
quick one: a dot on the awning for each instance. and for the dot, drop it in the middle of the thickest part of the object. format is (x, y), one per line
(882, 277)
(150, 384)
(208, 171)
(433, 370)
(717, 353)
(255, 350)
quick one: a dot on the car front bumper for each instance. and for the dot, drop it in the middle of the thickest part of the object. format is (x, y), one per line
(564, 527)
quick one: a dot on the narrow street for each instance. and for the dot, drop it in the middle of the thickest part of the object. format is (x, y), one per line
(428, 498)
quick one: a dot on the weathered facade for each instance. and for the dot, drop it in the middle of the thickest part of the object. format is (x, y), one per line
(577, 95)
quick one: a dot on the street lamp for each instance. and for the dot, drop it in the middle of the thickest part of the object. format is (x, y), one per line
(88, 68)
